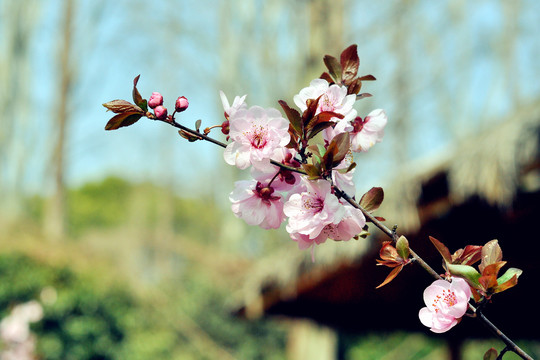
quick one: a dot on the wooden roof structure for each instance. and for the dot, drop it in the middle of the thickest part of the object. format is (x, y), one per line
(487, 188)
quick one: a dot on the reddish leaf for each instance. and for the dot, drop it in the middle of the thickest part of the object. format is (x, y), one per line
(371, 200)
(443, 250)
(493, 269)
(312, 171)
(122, 106)
(343, 145)
(309, 113)
(354, 87)
(137, 98)
(491, 253)
(488, 283)
(468, 256)
(294, 117)
(391, 276)
(124, 119)
(367, 78)
(491, 354)
(326, 76)
(334, 67)
(322, 117)
(349, 64)
(388, 251)
(506, 284)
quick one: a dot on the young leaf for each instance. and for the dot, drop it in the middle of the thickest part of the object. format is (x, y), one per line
(510, 273)
(188, 136)
(402, 247)
(491, 354)
(363, 95)
(326, 76)
(508, 280)
(349, 63)
(391, 276)
(312, 171)
(334, 67)
(317, 128)
(367, 78)
(443, 250)
(137, 98)
(371, 200)
(491, 253)
(198, 124)
(468, 256)
(337, 150)
(466, 272)
(122, 106)
(123, 119)
(294, 117)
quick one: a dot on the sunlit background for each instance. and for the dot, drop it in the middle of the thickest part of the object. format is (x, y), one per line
(125, 237)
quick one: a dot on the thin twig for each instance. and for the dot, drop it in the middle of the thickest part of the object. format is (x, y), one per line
(510, 345)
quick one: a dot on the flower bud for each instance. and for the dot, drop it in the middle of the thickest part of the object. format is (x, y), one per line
(181, 104)
(160, 112)
(225, 127)
(155, 100)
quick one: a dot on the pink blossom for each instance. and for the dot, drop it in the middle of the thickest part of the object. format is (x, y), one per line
(310, 211)
(238, 103)
(257, 204)
(255, 134)
(155, 100)
(181, 104)
(369, 131)
(282, 180)
(334, 98)
(351, 225)
(160, 112)
(446, 304)
(345, 180)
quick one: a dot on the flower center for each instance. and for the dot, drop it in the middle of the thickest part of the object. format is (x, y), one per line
(313, 205)
(325, 104)
(447, 297)
(258, 136)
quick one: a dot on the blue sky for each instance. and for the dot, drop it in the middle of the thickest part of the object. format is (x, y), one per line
(175, 46)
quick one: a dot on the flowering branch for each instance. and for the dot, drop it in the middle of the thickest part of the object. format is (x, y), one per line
(303, 171)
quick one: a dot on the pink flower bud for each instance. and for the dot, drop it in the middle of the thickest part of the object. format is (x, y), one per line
(181, 104)
(161, 112)
(155, 100)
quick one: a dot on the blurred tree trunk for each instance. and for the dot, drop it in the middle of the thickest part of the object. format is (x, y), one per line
(326, 31)
(16, 137)
(55, 216)
(308, 340)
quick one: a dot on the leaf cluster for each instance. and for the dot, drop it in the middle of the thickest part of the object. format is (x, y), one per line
(127, 113)
(345, 70)
(485, 281)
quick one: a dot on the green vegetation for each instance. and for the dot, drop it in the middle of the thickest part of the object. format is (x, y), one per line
(137, 280)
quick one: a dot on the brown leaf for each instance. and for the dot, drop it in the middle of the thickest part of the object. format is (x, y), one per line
(371, 200)
(467, 256)
(123, 119)
(391, 276)
(349, 64)
(491, 253)
(294, 117)
(137, 98)
(326, 76)
(442, 249)
(122, 106)
(334, 67)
